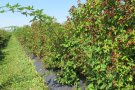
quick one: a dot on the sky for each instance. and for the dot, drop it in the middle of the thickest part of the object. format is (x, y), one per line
(57, 8)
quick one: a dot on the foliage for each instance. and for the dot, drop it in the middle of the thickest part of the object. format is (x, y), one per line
(37, 14)
(102, 44)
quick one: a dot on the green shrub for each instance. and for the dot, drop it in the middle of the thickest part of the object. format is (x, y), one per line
(102, 46)
(97, 43)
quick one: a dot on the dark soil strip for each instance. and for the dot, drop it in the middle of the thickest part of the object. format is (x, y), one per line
(50, 77)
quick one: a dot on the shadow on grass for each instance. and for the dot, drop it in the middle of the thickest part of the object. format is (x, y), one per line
(3, 46)
(2, 58)
(5, 84)
(1, 55)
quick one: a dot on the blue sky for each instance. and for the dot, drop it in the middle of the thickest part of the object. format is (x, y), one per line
(57, 8)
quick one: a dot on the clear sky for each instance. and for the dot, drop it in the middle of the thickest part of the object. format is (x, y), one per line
(57, 8)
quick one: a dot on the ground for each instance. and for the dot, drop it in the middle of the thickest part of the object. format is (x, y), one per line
(17, 71)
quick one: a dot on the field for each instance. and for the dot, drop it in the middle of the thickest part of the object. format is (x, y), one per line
(95, 46)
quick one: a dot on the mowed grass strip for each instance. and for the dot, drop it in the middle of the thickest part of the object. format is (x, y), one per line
(17, 71)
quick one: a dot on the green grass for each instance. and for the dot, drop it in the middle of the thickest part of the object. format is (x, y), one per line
(17, 71)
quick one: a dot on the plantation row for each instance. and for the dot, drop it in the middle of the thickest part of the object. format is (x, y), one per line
(95, 44)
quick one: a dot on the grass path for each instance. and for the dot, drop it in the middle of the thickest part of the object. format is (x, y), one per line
(16, 70)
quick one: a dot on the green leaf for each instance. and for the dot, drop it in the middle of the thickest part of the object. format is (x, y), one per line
(91, 87)
(130, 78)
(21, 8)
(103, 86)
(17, 5)
(8, 5)
(2, 11)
